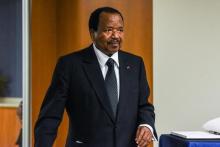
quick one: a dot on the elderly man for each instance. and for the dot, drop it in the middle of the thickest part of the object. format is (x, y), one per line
(103, 89)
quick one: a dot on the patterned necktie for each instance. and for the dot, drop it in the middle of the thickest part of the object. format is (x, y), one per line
(111, 85)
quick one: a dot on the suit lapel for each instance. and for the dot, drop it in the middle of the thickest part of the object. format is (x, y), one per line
(94, 74)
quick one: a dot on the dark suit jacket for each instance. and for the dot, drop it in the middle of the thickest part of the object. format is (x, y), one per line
(78, 87)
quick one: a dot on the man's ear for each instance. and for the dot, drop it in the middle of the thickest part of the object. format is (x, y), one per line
(92, 34)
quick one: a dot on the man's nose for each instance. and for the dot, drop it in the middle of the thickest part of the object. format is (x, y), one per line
(115, 34)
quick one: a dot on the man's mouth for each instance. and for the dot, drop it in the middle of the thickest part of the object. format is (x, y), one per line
(114, 43)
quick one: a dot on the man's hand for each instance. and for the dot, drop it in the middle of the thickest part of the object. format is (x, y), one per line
(143, 136)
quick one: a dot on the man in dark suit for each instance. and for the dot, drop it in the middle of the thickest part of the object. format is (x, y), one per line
(104, 91)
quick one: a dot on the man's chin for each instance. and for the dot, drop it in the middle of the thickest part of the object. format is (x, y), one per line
(114, 49)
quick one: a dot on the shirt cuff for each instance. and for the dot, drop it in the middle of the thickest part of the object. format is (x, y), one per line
(151, 129)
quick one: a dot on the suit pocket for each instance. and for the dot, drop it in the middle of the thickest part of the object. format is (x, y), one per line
(78, 143)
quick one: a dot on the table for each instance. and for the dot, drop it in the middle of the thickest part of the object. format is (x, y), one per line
(167, 140)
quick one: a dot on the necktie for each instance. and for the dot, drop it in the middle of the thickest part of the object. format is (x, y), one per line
(111, 85)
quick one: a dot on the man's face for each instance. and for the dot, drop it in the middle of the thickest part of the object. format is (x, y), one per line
(109, 35)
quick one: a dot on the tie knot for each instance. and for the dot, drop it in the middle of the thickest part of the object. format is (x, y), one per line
(110, 62)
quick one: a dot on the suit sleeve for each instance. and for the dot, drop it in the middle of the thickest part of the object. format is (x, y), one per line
(53, 106)
(146, 113)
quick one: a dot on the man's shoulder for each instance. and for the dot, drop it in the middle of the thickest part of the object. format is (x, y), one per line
(129, 56)
(76, 55)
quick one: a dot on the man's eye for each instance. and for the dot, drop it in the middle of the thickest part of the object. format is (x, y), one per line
(108, 30)
(121, 30)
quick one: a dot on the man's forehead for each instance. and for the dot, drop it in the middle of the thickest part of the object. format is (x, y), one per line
(106, 15)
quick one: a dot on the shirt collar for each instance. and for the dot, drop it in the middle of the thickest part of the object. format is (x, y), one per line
(103, 58)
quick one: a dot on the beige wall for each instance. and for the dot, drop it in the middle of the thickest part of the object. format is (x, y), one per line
(186, 63)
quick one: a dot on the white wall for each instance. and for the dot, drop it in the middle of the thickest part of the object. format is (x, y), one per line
(186, 63)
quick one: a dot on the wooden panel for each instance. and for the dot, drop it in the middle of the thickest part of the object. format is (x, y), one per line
(43, 36)
(60, 27)
(9, 127)
(68, 27)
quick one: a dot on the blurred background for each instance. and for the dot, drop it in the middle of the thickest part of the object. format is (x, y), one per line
(179, 41)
